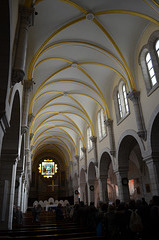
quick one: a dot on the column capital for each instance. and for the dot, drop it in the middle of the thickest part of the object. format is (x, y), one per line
(76, 157)
(83, 149)
(133, 95)
(24, 129)
(17, 76)
(108, 122)
(151, 158)
(27, 15)
(93, 139)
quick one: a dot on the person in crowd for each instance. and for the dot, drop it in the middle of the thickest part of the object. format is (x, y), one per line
(59, 212)
(14, 215)
(92, 217)
(36, 213)
(67, 212)
(111, 231)
(154, 217)
(82, 214)
(18, 216)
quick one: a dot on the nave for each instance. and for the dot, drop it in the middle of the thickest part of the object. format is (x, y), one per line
(48, 228)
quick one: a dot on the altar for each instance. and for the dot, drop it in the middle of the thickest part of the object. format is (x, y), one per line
(50, 206)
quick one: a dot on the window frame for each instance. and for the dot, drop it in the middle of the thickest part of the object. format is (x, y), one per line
(81, 154)
(89, 142)
(124, 104)
(150, 47)
(102, 131)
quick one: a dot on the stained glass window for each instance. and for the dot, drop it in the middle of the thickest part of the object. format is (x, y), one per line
(48, 168)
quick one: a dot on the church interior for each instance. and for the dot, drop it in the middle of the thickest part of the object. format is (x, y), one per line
(79, 105)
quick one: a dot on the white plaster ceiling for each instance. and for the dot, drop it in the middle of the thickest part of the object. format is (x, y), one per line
(74, 62)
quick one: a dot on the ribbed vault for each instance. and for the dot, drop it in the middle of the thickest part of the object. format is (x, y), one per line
(77, 51)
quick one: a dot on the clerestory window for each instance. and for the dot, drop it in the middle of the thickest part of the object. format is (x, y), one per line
(81, 154)
(89, 142)
(149, 61)
(121, 101)
(101, 124)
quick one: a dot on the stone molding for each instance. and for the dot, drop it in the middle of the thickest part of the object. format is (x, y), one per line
(4, 121)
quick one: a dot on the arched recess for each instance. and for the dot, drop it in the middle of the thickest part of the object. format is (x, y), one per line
(75, 188)
(8, 163)
(11, 138)
(93, 186)
(70, 191)
(5, 53)
(152, 158)
(131, 167)
(154, 141)
(83, 187)
(41, 188)
(19, 175)
(107, 178)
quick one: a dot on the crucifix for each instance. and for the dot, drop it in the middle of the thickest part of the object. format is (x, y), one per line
(53, 185)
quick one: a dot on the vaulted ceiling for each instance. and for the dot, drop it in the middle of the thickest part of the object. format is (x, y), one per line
(77, 49)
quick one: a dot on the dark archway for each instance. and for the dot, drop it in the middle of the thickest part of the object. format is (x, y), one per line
(132, 167)
(8, 163)
(83, 187)
(4, 52)
(93, 190)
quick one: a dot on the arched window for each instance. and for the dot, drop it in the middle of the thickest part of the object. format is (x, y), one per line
(101, 124)
(80, 149)
(89, 142)
(126, 106)
(121, 101)
(119, 105)
(157, 47)
(150, 68)
(149, 61)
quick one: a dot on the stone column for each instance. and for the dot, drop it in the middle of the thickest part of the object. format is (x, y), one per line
(27, 87)
(90, 191)
(103, 188)
(109, 124)
(77, 163)
(153, 168)
(76, 200)
(27, 146)
(26, 20)
(84, 150)
(135, 98)
(94, 143)
(23, 193)
(18, 183)
(4, 124)
(25, 200)
(122, 182)
(7, 189)
(82, 192)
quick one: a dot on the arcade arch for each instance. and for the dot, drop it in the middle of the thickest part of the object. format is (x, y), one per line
(8, 162)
